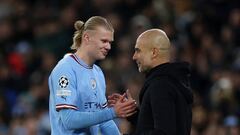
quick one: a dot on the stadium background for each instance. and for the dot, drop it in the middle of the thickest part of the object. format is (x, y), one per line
(35, 34)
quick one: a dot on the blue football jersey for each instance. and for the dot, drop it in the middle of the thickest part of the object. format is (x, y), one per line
(75, 85)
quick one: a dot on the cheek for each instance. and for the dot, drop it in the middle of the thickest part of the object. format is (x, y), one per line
(96, 43)
(146, 60)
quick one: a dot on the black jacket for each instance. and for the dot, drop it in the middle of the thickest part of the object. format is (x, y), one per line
(165, 101)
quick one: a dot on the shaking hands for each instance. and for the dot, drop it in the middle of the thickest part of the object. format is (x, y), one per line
(124, 105)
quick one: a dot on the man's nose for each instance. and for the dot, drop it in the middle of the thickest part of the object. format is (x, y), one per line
(134, 56)
(108, 46)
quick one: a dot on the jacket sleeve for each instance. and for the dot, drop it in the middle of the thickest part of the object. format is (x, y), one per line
(163, 107)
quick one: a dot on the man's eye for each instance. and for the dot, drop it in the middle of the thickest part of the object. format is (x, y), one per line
(104, 41)
(137, 50)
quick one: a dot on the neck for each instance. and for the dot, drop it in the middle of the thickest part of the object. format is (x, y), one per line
(82, 54)
(159, 62)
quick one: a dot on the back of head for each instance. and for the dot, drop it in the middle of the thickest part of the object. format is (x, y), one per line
(91, 24)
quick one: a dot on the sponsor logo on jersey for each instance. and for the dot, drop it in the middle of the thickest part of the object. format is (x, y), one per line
(94, 105)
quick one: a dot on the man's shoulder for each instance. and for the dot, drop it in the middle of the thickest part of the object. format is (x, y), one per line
(63, 65)
(160, 80)
(95, 66)
(97, 69)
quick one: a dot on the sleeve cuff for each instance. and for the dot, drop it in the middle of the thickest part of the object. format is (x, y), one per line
(112, 112)
(65, 106)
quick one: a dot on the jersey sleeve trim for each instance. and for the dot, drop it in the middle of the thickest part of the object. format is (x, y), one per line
(104, 105)
(65, 106)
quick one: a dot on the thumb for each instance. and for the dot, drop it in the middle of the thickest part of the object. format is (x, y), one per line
(129, 96)
(121, 99)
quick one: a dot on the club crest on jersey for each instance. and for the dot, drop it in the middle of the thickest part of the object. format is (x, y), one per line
(93, 83)
(63, 82)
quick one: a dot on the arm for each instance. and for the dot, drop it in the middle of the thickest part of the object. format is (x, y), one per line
(112, 99)
(163, 108)
(109, 128)
(73, 119)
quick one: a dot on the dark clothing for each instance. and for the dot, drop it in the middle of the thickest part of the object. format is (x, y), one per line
(165, 101)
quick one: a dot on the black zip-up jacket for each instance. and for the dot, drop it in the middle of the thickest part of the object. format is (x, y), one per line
(165, 101)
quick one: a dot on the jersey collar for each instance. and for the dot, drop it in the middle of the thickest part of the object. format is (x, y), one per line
(80, 61)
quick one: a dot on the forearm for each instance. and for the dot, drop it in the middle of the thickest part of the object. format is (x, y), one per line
(109, 128)
(73, 119)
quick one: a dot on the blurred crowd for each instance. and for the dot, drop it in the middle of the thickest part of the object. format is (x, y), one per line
(35, 34)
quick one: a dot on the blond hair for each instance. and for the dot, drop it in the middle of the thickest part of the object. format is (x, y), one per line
(91, 24)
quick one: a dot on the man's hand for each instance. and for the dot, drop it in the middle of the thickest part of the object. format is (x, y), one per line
(124, 105)
(112, 99)
(126, 108)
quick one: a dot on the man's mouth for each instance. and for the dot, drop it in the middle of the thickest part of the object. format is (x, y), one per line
(105, 53)
(138, 64)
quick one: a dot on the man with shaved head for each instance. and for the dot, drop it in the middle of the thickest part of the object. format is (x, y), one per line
(166, 97)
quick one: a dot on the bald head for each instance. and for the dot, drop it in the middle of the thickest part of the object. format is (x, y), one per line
(152, 48)
(155, 38)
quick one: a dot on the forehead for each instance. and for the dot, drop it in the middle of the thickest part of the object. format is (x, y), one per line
(103, 33)
(140, 43)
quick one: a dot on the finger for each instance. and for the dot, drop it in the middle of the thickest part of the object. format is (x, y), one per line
(116, 98)
(128, 102)
(124, 115)
(129, 108)
(129, 105)
(124, 97)
(130, 114)
(124, 94)
(110, 97)
(120, 99)
(114, 95)
(111, 101)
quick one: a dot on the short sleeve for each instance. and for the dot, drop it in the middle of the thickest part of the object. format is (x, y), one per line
(63, 87)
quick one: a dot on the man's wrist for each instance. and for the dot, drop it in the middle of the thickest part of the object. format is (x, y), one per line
(112, 112)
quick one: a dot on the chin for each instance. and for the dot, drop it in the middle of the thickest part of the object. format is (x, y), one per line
(102, 57)
(140, 70)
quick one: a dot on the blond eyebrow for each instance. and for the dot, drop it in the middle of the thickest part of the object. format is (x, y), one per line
(164, 48)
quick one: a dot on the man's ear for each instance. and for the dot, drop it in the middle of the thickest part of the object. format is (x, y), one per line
(86, 36)
(155, 52)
